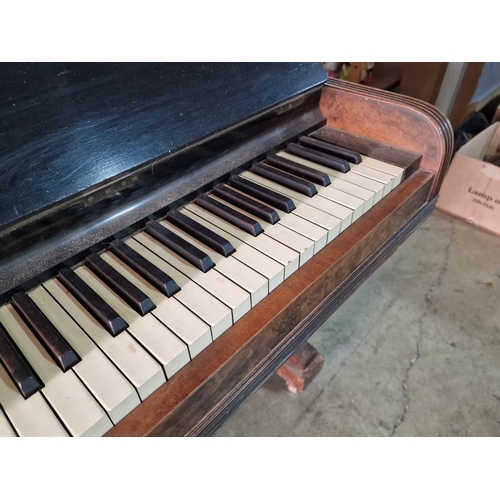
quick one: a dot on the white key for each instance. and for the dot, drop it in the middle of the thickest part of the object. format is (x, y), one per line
(356, 204)
(318, 202)
(272, 270)
(143, 372)
(297, 224)
(5, 428)
(113, 392)
(351, 177)
(375, 175)
(304, 246)
(255, 284)
(69, 398)
(206, 306)
(212, 281)
(320, 218)
(184, 323)
(268, 246)
(396, 172)
(358, 191)
(156, 338)
(30, 417)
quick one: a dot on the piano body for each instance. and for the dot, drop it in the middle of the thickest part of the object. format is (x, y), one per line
(90, 153)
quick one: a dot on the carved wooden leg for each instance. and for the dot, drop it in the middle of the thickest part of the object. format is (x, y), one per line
(301, 368)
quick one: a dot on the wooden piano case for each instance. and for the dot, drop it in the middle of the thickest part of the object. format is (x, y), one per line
(390, 127)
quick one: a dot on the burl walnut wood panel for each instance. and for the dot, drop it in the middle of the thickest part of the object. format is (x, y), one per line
(198, 399)
(393, 119)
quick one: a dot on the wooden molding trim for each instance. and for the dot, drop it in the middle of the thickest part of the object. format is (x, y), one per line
(393, 119)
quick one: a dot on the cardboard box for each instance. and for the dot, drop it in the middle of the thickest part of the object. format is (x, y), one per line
(471, 188)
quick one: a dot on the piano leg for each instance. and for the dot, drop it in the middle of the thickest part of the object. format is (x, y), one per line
(301, 368)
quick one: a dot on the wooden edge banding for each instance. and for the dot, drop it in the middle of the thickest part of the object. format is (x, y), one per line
(195, 396)
(393, 119)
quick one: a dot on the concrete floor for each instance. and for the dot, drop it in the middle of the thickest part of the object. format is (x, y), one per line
(415, 351)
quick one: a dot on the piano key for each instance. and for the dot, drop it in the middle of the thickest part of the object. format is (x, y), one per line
(268, 246)
(298, 169)
(143, 372)
(31, 417)
(127, 291)
(251, 206)
(329, 222)
(58, 348)
(301, 226)
(180, 246)
(337, 183)
(102, 311)
(272, 198)
(255, 284)
(100, 376)
(351, 176)
(272, 270)
(287, 180)
(156, 338)
(170, 311)
(237, 299)
(16, 366)
(213, 312)
(304, 246)
(146, 269)
(393, 170)
(5, 428)
(334, 209)
(376, 175)
(247, 224)
(201, 233)
(338, 151)
(318, 157)
(357, 205)
(66, 394)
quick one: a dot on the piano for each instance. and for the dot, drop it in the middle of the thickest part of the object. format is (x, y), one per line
(172, 233)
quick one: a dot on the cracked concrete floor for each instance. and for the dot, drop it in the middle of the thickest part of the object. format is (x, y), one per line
(415, 351)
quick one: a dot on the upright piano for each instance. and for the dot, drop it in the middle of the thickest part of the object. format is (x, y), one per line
(172, 233)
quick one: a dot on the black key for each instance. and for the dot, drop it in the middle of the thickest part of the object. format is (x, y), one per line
(101, 311)
(344, 153)
(201, 233)
(180, 246)
(132, 295)
(262, 193)
(317, 156)
(19, 370)
(299, 170)
(230, 215)
(146, 269)
(52, 341)
(285, 179)
(248, 204)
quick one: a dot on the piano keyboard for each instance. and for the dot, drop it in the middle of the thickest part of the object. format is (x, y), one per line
(82, 350)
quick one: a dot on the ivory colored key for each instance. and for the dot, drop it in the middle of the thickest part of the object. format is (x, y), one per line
(74, 405)
(304, 246)
(319, 202)
(183, 322)
(396, 172)
(5, 428)
(375, 175)
(351, 176)
(213, 312)
(30, 417)
(305, 228)
(213, 282)
(272, 270)
(255, 284)
(143, 372)
(156, 338)
(268, 246)
(113, 392)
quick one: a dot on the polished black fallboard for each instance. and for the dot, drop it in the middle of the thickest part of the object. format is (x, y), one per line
(89, 148)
